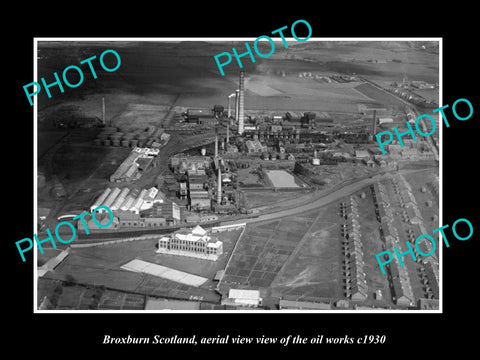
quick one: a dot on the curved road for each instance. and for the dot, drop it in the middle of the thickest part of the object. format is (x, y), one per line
(326, 199)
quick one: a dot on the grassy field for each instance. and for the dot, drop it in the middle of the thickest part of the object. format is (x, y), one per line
(101, 266)
(79, 297)
(262, 251)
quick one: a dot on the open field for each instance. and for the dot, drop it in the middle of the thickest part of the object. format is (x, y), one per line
(281, 179)
(77, 297)
(102, 266)
(262, 251)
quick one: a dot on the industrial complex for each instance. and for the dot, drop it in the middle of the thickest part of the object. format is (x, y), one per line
(237, 204)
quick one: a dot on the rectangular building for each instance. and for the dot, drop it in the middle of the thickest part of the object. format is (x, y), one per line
(192, 243)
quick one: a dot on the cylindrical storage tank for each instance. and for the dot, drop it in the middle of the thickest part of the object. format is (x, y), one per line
(142, 142)
(110, 129)
(97, 142)
(133, 143)
(106, 142)
(116, 142)
(125, 143)
(123, 128)
(128, 136)
(115, 136)
(102, 135)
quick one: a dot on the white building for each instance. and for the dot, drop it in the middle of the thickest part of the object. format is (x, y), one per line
(195, 243)
(242, 297)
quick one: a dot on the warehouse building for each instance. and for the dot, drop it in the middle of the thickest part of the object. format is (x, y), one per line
(136, 162)
(243, 297)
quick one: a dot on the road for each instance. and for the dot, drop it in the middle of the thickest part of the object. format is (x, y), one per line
(325, 200)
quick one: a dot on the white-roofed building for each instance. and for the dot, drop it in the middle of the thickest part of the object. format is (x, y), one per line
(243, 297)
(194, 243)
(150, 198)
(99, 201)
(111, 197)
(138, 202)
(362, 154)
(120, 199)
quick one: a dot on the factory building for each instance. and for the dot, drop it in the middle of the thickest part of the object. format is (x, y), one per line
(136, 162)
(192, 243)
(129, 201)
(102, 218)
(202, 116)
(160, 214)
(183, 163)
(254, 146)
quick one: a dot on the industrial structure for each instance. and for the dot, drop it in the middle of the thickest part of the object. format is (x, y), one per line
(137, 208)
(241, 103)
(135, 164)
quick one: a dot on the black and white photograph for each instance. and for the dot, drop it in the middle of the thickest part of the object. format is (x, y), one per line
(233, 180)
(271, 187)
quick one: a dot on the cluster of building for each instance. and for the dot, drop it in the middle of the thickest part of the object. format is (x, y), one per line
(203, 116)
(429, 271)
(410, 151)
(398, 275)
(138, 208)
(355, 277)
(196, 243)
(134, 164)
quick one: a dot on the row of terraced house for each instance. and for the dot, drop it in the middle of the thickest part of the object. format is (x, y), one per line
(353, 268)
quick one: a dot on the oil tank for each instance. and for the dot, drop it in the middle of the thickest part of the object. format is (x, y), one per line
(116, 135)
(128, 136)
(125, 143)
(106, 142)
(116, 142)
(102, 135)
(97, 142)
(110, 129)
(142, 142)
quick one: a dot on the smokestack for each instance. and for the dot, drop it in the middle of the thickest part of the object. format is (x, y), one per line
(216, 143)
(229, 107)
(241, 102)
(219, 185)
(103, 110)
(237, 103)
(228, 133)
(374, 122)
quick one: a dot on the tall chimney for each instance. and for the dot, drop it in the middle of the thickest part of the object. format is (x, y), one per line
(374, 122)
(216, 143)
(219, 185)
(228, 133)
(237, 103)
(229, 107)
(241, 102)
(103, 110)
